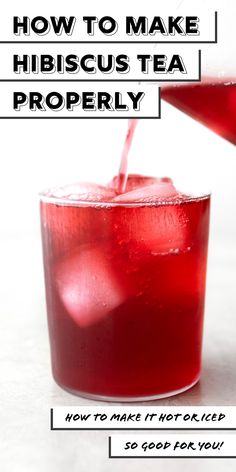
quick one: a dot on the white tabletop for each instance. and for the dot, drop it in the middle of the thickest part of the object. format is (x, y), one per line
(28, 391)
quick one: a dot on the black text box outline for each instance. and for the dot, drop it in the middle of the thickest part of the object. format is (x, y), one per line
(52, 428)
(164, 457)
(158, 117)
(198, 79)
(214, 41)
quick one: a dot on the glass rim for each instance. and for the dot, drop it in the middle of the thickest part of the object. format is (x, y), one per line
(65, 201)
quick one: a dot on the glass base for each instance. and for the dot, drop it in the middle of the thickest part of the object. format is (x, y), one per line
(107, 398)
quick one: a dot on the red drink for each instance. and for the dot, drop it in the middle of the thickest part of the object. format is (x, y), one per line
(212, 102)
(125, 285)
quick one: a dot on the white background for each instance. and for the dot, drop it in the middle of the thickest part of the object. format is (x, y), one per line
(37, 154)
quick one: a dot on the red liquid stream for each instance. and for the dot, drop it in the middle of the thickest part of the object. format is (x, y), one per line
(210, 103)
(123, 171)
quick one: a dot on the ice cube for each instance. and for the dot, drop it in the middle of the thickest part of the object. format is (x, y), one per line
(165, 231)
(89, 286)
(136, 181)
(161, 228)
(86, 191)
(67, 225)
(150, 193)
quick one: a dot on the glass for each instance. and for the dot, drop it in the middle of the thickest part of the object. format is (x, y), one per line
(125, 289)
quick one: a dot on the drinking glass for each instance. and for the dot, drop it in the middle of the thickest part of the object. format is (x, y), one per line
(125, 290)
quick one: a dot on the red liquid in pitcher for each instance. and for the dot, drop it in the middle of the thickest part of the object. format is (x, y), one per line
(212, 102)
(125, 287)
